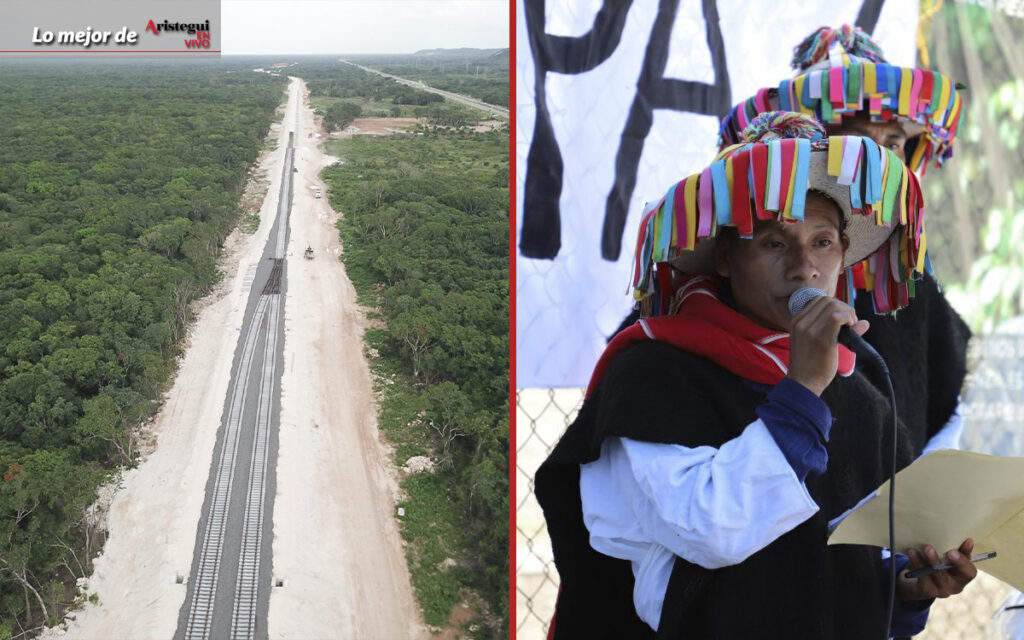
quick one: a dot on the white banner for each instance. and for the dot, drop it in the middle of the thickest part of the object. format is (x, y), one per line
(631, 94)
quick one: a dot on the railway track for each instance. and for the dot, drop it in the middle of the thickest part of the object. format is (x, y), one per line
(200, 616)
(209, 611)
(243, 617)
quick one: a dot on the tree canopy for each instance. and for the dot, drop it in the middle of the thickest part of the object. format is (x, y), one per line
(425, 234)
(118, 185)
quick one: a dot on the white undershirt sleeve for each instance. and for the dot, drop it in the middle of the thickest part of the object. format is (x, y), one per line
(648, 503)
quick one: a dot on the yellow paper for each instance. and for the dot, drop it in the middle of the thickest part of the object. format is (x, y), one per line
(944, 498)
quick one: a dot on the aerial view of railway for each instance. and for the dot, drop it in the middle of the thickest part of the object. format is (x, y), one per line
(254, 326)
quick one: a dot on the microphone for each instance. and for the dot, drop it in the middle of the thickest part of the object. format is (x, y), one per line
(803, 296)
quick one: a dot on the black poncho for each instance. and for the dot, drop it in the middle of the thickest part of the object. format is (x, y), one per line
(797, 587)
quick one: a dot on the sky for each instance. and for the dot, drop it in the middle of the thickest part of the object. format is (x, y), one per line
(361, 26)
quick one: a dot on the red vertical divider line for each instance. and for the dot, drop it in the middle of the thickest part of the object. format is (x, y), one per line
(511, 323)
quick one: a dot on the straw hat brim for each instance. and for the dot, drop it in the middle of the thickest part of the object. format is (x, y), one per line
(865, 235)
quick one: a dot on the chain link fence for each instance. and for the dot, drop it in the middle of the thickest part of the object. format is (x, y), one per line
(993, 405)
(541, 417)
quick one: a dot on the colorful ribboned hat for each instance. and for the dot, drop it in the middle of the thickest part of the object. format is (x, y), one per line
(842, 71)
(766, 177)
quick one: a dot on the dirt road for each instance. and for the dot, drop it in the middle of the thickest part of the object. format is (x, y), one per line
(336, 542)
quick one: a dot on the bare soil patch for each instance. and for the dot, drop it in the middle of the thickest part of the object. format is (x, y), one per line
(378, 127)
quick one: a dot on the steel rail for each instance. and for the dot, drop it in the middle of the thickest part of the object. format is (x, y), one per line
(205, 581)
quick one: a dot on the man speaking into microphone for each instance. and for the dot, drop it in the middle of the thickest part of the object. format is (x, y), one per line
(720, 434)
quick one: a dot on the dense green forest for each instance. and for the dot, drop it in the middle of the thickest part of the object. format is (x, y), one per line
(118, 185)
(333, 85)
(479, 73)
(425, 235)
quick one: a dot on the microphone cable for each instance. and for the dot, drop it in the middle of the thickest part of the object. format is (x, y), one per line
(880, 364)
(797, 301)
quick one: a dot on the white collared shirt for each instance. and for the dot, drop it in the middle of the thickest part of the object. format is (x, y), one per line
(647, 503)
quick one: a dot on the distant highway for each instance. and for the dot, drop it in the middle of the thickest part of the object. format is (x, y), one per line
(472, 102)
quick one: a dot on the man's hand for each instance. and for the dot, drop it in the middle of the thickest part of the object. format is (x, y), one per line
(813, 359)
(940, 584)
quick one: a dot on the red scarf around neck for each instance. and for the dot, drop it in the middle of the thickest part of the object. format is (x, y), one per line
(707, 327)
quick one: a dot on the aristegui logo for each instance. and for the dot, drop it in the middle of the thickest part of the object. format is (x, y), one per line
(201, 31)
